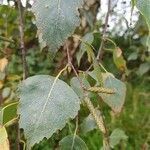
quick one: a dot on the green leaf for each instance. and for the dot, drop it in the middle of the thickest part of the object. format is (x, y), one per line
(145, 67)
(9, 112)
(116, 136)
(75, 84)
(115, 101)
(86, 47)
(72, 142)
(46, 104)
(99, 76)
(133, 56)
(89, 123)
(56, 20)
(144, 8)
(98, 73)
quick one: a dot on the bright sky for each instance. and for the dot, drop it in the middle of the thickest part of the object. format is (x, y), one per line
(123, 9)
(11, 2)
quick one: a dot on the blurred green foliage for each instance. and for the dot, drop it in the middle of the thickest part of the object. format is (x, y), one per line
(134, 119)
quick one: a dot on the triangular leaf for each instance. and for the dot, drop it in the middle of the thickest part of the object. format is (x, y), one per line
(56, 20)
(98, 73)
(72, 142)
(75, 84)
(46, 104)
(10, 112)
(115, 101)
(133, 56)
(145, 67)
(85, 46)
(89, 123)
(116, 136)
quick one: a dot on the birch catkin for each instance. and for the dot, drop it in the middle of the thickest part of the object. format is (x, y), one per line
(97, 118)
(101, 90)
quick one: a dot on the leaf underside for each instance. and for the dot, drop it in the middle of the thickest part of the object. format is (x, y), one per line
(46, 104)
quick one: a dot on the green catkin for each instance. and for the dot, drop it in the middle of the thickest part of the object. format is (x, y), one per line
(101, 90)
(98, 119)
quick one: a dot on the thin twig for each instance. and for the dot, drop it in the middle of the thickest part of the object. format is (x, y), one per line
(22, 44)
(98, 119)
(73, 68)
(100, 52)
(23, 52)
(18, 136)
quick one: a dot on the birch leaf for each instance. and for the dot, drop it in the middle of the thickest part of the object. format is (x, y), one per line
(56, 20)
(115, 101)
(46, 104)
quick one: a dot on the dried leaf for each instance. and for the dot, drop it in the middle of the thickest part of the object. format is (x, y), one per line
(3, 64)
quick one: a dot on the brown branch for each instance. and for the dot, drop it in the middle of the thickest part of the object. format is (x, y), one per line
(73, 68)
(98, 119)
(100, 51)
(22, 44)
(23, 52)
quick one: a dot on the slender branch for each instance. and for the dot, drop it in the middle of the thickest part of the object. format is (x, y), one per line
(23, 52)
(100, 52)
(73, 68)
(98, 119)
(18, 136)
(22, 44)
